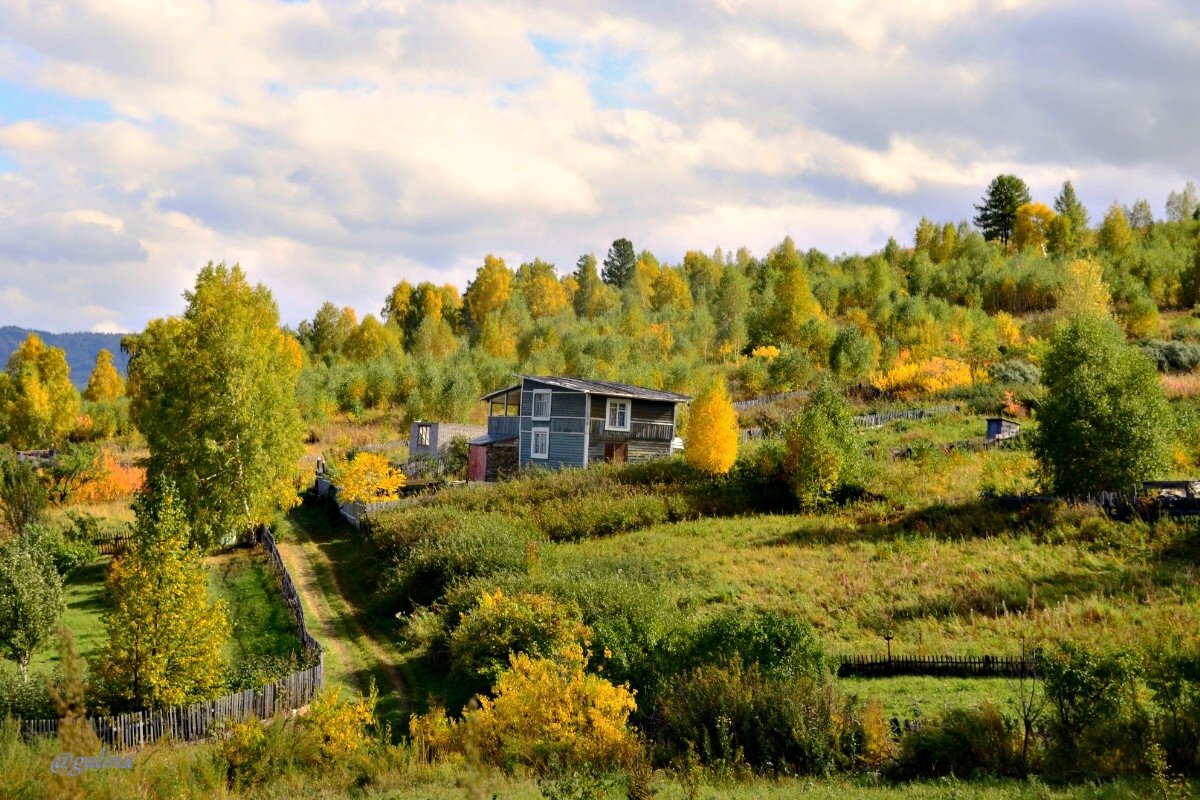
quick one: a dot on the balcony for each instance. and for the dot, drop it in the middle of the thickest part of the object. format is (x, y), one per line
(643, 431)
(503, 426)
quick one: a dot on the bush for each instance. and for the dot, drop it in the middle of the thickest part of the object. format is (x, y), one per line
(427, 549)
(28, 699)
(1096, 728)
(731, 714)
(68, 549)
(500, 626)
(598, 515)
(551, 712)
(965, 742)
(821, 449)
(778, 644)
(1171, 356)
(1014, 371)
(1173, 674)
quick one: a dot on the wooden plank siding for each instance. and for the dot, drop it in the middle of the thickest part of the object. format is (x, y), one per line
(567, 423)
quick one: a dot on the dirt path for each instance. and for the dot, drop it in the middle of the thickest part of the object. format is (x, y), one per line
(352, 655)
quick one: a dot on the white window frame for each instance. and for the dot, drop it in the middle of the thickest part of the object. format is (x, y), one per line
(533, 435)
(608, 413)
(424, 435)
(549, 400)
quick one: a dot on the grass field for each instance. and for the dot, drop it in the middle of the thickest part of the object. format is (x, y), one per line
(262, 625)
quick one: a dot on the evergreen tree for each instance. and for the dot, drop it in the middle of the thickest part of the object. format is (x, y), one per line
(164, 634)
(1068, 205)
(1104, 424)
(997, 214)
(619, 264)
(214, 393)
(23, 496)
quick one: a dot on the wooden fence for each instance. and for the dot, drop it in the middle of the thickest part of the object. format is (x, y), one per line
(766, 400)
(196, 721)
(871, 420)
(952, 666)
(112, 542)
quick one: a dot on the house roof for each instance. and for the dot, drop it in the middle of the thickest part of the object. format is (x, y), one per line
(607, 388)
(493, 438)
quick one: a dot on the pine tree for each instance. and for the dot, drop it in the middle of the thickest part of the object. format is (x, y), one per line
(164, 634)
(998, 212)
(1067, 205)
(712, 431)
(619, 264)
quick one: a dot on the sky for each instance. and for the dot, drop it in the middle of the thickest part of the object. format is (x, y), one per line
(336, 148)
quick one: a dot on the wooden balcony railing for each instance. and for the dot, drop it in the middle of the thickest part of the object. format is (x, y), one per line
(645, 431)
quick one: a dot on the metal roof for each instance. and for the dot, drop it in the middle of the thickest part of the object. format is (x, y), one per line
(608, 388)
(493, 438)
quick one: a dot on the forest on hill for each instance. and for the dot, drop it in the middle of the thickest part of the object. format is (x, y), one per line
(80, 349)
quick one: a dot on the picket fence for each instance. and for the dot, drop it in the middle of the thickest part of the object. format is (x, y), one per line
(111, 543)
(878, 666)
(196, 721)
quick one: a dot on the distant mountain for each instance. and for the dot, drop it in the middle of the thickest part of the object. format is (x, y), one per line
(81, 349)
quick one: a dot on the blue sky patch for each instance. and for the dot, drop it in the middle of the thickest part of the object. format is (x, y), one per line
(7, 164)
(608, 71)
(21, 102)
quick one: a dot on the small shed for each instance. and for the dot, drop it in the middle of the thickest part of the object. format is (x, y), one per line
(1000, 429)
(432, 438)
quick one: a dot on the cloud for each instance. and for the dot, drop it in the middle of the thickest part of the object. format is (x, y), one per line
(334, 148)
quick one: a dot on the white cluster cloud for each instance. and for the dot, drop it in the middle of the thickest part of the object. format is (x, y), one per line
(334, 148)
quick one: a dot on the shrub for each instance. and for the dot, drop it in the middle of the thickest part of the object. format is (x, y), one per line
(337, 728)
(551, 712)
(1171, 356)
(1173, 674)
(429, 548)
(67, 548)
(594, 516)
(821, 448)
(966, 742)
(731, 714)
(500, 626)
(29, 699)
(1014, 371)
(778, 644)
(1096, 728)
(115, 481)
(368, 478)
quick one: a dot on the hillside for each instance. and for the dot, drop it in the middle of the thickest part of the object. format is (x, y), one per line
(81, 349)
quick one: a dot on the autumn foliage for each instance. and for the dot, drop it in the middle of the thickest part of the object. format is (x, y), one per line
(712, 431)
(929, 376)
(114, 481)
(368, 478)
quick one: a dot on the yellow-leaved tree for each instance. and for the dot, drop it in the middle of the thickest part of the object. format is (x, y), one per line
(36, 396)
(1032, 226)
(1084, 291)
(368, 478)
(712, 440)
(105, 384)
(164, 634)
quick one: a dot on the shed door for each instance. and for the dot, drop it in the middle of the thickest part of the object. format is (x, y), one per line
(477, 462)
(615, 452)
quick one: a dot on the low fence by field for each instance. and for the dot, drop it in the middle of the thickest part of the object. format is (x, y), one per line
(196, 721)
(873, 420)
(766, 400)
(876, 666)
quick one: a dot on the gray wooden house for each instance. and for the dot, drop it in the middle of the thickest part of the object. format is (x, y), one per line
(554, 422)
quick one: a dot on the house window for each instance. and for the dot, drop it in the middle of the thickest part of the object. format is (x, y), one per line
(540, 443)
(423, 435)
(617, 418)
(541, 404)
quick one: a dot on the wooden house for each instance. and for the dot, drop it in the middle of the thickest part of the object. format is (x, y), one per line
(999, 429)
(553, 422)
